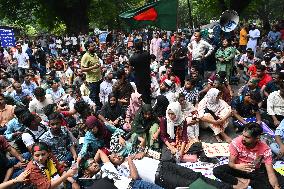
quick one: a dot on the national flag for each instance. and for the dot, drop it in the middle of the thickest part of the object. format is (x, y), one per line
(162, 14)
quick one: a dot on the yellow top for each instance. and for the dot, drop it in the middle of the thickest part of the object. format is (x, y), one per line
(243, 37)
(87, 61)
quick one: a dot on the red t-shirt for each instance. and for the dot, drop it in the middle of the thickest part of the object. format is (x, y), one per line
(249, 155)
(264, 80)
(252, 70)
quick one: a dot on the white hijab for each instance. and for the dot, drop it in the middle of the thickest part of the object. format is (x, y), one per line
(171, 124)
(212, 102)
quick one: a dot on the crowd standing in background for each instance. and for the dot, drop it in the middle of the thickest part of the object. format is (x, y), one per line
(76, 111)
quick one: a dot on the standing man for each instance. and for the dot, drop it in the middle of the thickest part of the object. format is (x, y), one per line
(179, 58)
(253, 35)
(155, 47)
(91, 66)
(200, 50)
(141, 61)
(243, 38)
(23, 62)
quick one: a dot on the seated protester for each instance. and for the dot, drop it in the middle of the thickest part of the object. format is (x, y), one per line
(273, 84)
(55, 91)
(7, 113)
(46, 171)
(165, 174)
(122, 88)
(76, 97)
(145, 125)
(263, 76)
(106, 87)
(251, 72)
(194, 74)
(84, 88)
(160, 106)
(252, 85)
(165, 90)
(96, 137)
(40, 101)
(275, 104)
(134, 106)
(221, 83)
(189, 90)
(34, 129)
(215, 113)
(28, 84)
(14, 127)
(173, 133)
(246, 61)
(112, 112)
(270, 65)
(59, 140)
(189, 113)
(5, 82)
(92, 169)
(244, 108)
(19, 93)
(6, 163)
(250, 162)
(154, 66)
(278, 147)
(78, 81)
(278, 60)
(129, 74)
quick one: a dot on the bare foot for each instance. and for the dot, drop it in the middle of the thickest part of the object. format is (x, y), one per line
(242, 183)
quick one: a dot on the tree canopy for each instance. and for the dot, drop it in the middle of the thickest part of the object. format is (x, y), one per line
(78, 15)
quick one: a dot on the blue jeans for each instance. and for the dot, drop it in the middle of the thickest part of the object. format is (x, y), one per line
(141, 184)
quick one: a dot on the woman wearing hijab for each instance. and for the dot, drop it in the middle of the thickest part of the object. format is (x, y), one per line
(145, 124)
(214, 113)
(112, 112)
(135, 104)
(173, 132)
(160, 107)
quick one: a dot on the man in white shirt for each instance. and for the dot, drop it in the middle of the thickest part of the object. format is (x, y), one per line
(106, 87)
(275, 103)
(40, 101)
(200, 50)
(253, 35)
(23, 62)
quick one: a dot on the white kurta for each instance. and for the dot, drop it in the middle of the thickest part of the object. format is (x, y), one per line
(253, 36)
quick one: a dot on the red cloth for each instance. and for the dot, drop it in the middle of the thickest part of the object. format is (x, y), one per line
(177, 80)
(264, 80)
(249, 155)
(252, 70)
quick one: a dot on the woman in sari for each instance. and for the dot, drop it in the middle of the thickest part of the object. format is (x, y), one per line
(215, 113)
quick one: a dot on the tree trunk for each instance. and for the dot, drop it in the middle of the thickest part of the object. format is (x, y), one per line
(190, 19)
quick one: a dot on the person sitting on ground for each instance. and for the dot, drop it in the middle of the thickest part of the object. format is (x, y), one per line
(56, 91)
(145, 125)
(46, 171)
(59, 140)
(112, 112)
(278, 146)
(250, 162)
(134, 106)
(189, 90)
(165, 90)
(244, 107)
(214, 113)
(161, 106)
(252, 85)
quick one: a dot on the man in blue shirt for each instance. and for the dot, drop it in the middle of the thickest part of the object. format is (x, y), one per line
(278, 147)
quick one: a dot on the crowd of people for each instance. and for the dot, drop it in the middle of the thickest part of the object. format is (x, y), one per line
(76, 112)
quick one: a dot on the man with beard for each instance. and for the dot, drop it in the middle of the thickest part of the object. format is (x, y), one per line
(141, 61)
(91, 66)
(250, 162)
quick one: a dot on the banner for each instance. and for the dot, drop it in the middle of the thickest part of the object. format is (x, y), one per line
(7, 37)
(216, 149)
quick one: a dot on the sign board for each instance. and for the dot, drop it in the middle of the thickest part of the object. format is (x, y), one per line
(216, 149)
(7, 37)
(102, 37)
